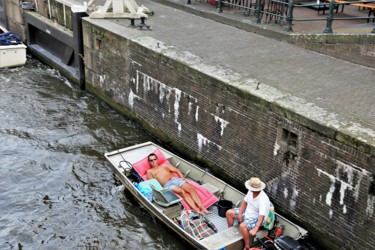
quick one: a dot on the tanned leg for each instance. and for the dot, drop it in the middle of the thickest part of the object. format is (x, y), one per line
(245, 235)
(186, 197)
(230, 217)
(194, 195)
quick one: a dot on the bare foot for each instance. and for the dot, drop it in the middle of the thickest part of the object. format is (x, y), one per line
(196, 211)
(205, 211)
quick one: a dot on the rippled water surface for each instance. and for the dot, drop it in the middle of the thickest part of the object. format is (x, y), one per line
(56, 188)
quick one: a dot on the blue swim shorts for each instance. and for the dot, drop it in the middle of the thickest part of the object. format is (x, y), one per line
(174, 182)
(250, 222)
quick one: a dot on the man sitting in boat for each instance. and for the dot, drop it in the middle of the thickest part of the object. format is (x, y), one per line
(253, 211)
(179, 185)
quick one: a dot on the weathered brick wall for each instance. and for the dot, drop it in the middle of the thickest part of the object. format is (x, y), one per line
(326, 185)
(15, 20)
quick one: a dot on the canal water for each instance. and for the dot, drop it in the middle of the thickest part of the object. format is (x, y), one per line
(56, 188)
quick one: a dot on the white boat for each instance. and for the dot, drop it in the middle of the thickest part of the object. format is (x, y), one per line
(124, 161)
(12, 50)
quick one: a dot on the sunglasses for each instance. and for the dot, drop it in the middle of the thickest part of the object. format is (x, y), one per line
(152, 160)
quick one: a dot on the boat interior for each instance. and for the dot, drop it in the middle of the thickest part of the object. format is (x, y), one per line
(171, 205)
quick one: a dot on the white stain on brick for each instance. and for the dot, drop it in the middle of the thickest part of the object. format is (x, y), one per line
(190, 105)
(343, 187)
(196, 113)
(223, 123)
(203, 141)
(151, 84)
(148, 82)
(102, 80)
(285, 193)
(347, 184)
(292, 201)
(131, 98)
(176, 105)
(350, 170)
(370, 205)
(135, 63)
(176, 109)
(167, 96)
(276, 148)
(137, 81)
(332, 187)
(164, 91)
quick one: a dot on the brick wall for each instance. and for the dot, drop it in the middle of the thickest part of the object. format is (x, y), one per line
(325, 185)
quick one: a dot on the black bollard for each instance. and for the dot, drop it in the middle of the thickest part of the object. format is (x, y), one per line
(143, 24)
(132, 24)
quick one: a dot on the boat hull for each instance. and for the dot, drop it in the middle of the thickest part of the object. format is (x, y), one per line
(230, 238)
(152, 208)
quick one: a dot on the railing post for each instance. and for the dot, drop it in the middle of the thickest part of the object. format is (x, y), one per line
(219, 6)
(328, 28)
(289, 18)
(257, 10)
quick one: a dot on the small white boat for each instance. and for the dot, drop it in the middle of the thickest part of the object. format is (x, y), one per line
(125, 161)
(12, 50)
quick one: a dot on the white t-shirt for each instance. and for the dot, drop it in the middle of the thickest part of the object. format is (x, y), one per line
(258, 206)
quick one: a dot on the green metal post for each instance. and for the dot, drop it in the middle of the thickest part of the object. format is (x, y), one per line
(257, 11)
(328, 28)
(219, 6)
(289, 19)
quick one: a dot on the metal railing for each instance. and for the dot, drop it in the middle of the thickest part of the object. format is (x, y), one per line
(284, 10)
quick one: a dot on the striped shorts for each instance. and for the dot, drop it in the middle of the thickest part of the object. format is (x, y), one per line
(250, 222)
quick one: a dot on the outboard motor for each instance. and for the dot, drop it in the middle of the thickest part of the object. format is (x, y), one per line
(287, 243)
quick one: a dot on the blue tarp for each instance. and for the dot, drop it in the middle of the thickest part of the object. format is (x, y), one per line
(8, 38)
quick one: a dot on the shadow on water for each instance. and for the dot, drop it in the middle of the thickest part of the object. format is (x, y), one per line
(57, 190)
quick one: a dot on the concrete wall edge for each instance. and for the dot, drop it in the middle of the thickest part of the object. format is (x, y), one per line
(297, 109)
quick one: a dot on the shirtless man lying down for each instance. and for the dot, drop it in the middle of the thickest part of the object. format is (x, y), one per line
(179, 185)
